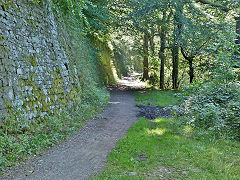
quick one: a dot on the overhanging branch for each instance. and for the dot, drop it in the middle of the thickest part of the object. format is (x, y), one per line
(225, 9)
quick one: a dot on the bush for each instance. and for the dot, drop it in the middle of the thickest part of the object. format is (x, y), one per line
(215, 108)
(17, 143)
(20, 139)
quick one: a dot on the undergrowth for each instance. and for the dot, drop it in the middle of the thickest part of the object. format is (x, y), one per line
(88, 65)
(165, 148)
(17, 144)
(213, 108)
(158, 98)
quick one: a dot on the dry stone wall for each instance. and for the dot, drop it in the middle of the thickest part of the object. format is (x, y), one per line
(34, 68)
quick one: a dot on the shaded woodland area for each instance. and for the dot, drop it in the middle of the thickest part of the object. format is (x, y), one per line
(181, 38)
(192, 46)
(186, 46)
(173, 43)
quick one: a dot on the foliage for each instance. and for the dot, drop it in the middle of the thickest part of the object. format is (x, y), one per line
(213, 105)
(120, 60)
(98, 16)
(72, 9)
(105, 55)
(192, 26)
(18, 143)
(215, 108)
(127, 57)
(165, 149)
(89, 66)
(91, 14)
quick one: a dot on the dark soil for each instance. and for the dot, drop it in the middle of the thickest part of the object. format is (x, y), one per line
(153, 112)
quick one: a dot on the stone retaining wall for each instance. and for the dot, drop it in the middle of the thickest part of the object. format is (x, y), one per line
(35, 73)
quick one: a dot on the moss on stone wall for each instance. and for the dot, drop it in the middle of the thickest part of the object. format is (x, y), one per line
(35, 63)
(1, 38)
(6, 4)
(46, 63)
(55, 63)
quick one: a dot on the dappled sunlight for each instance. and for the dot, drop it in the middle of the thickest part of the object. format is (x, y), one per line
(157, 131)
(169, 150)
(158, 120)
(132, 81)
(187, 130)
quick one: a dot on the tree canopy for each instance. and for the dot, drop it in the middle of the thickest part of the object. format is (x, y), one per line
(176, 44)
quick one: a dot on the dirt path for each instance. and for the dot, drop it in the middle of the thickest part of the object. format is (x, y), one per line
(86, 152)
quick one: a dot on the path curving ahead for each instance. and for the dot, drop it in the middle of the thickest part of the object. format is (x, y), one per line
(85, 154)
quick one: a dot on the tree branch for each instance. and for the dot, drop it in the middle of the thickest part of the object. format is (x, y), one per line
(225, 9)
(189, 58)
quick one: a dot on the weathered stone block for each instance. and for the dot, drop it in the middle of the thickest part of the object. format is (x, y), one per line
(30, 54)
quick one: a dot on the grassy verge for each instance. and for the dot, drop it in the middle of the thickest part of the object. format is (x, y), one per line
(17, 144)
(156, 98)
(165, 149)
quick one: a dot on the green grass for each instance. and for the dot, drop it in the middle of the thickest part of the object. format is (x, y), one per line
(155, 97)
(18, 144)
(165, 149)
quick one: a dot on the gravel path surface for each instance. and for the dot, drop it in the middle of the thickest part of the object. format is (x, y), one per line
(85, 154)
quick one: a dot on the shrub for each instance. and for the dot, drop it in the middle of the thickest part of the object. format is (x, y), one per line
(17, 143)
(214, 107)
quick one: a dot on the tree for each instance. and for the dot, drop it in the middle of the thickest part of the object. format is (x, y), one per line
(145, 56)
(238, 32)
(162, 57)
(170, 27)
(227, 7)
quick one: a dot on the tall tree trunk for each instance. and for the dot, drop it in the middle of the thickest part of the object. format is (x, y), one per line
(175, 61)
(145, 57)
(175, 49)
(238, 32)
(190, 63)
(162, 57)
(191, 70)
(151, 42)
(238, 42)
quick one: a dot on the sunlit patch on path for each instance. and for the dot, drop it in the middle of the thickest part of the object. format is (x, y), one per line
(132, 82)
